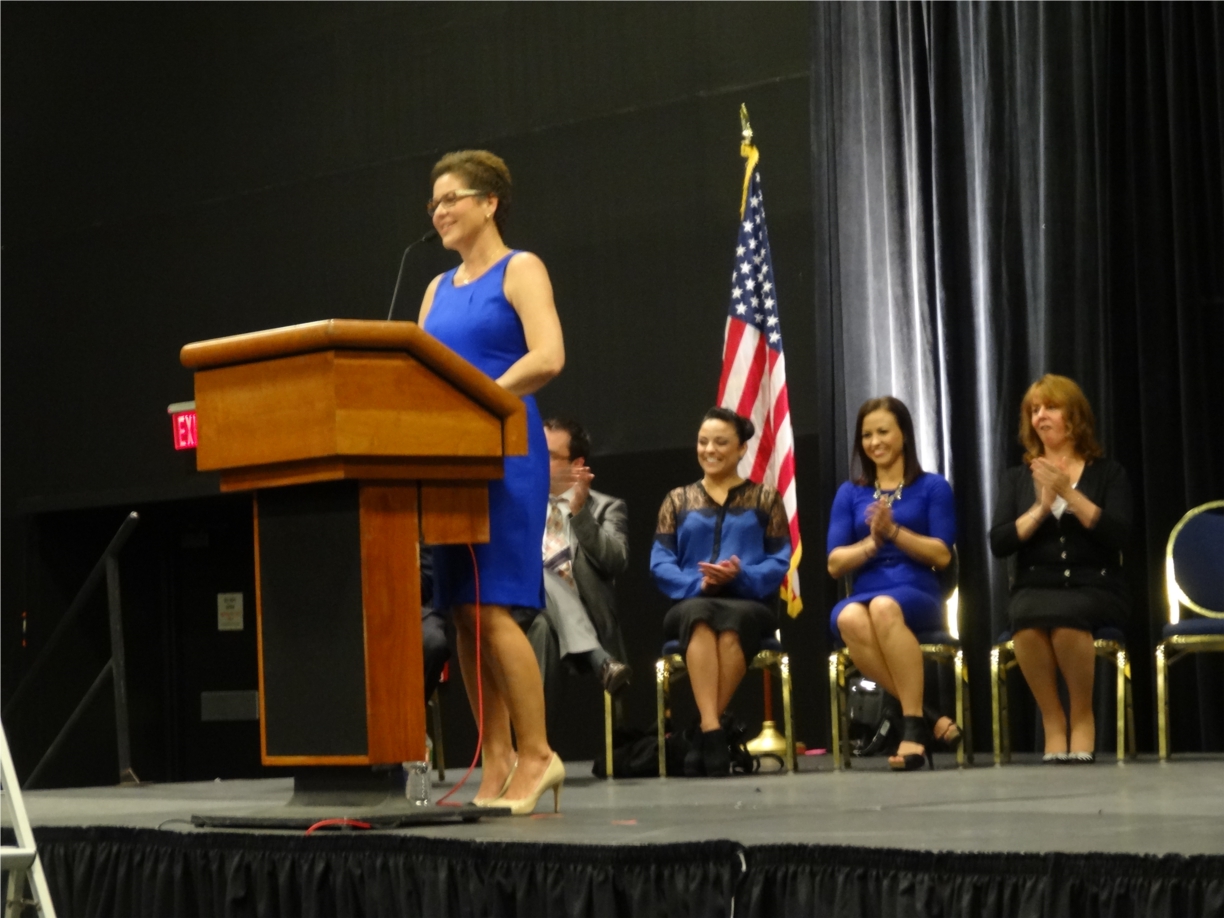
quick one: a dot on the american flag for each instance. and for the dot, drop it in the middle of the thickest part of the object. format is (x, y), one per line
(753, 381)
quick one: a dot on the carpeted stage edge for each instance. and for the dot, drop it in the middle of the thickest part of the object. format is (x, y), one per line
(144, 872)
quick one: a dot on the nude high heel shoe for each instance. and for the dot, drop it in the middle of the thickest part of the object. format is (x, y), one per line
(497, 801)
(553, 777)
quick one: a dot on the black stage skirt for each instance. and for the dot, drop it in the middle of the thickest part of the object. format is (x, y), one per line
(1082, 608)
(749, 619)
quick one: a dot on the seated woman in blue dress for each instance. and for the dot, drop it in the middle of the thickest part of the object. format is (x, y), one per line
(720, 551)
(892, 527)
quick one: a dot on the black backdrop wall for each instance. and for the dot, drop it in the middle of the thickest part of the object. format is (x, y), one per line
(181, 172)
(178, 172)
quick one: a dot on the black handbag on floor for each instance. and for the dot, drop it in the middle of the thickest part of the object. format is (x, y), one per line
(875, 718)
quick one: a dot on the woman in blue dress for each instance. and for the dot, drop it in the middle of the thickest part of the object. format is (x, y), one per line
(892, 528)
(496, 311)
(721, 549)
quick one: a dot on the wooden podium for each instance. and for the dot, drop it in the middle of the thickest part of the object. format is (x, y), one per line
(360, 439)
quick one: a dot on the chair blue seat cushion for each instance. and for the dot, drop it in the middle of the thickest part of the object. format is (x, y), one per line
(1194, 626)
(936, 637)
(767, 643)
(1101, 634)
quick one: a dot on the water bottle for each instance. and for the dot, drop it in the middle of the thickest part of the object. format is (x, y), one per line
(417, 783)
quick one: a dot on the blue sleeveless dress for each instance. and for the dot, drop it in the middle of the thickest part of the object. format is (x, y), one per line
(478, 323)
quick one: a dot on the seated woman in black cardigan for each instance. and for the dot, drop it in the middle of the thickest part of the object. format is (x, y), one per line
(1066, 515)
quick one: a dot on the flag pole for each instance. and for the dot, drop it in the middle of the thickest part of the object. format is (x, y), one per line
(770, 740)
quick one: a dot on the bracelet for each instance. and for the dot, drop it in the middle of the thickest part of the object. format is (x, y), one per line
(896, 532)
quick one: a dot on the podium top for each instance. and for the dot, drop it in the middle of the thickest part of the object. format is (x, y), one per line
(355, 334)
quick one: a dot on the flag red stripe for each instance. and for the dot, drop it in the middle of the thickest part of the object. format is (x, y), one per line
(764, 450)
(735, 332)
(752, 381)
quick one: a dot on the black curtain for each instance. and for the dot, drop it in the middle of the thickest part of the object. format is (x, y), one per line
(101, 871)
(135, 872)
(844, 881)
(1007, 189)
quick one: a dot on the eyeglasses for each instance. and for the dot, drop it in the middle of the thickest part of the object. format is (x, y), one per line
(450, 199)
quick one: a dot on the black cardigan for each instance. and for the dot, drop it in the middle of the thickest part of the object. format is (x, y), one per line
(1062, 552)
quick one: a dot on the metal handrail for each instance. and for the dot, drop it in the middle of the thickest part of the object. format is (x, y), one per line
(115, 668)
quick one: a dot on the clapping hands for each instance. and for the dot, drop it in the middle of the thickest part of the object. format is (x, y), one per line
(715, 576)
(880, 520)
(1050, 479)
(577, 477)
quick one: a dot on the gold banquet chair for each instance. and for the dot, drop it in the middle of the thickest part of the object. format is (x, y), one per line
(1110, 646)
(944, 647)
(771, 657)
(1194, 580)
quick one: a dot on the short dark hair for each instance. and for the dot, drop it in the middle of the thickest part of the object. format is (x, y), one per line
(744, 428)
(580, 440)
(897, 409)
(484, 171)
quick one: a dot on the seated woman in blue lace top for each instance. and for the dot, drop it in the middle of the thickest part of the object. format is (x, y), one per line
(721, 549)
(892, 528)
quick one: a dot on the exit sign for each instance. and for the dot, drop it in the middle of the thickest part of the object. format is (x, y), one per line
(183, 424)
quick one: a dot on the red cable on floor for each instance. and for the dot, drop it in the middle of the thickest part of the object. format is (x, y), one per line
(322, 823)
(479, 691)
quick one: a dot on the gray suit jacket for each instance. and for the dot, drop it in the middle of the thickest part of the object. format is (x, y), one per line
(600, 543)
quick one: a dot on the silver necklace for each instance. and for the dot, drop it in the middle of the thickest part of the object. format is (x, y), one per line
(889, 499)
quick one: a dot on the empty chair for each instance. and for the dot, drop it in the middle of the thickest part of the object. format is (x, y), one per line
(1194, 585)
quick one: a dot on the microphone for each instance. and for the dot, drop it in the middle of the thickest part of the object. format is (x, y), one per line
(432, 234)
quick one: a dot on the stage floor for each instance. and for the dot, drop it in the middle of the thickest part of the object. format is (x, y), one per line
(1141, 807)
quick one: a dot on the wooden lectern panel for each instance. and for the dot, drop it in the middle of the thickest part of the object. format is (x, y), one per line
(256, 349)
(391, 590)
(336, 404)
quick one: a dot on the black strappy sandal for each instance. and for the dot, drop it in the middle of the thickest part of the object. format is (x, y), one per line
(914, 730)
(945, 742)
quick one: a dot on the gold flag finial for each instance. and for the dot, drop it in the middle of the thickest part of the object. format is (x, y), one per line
(748, 151)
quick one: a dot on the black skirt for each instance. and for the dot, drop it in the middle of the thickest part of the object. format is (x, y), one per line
(1082, 608)
(749, 619)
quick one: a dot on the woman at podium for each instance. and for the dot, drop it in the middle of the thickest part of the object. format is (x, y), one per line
(496, 310)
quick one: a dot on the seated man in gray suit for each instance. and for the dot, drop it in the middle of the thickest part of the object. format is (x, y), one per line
(586, 545)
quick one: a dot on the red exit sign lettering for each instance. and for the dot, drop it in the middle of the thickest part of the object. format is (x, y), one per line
(183, 423)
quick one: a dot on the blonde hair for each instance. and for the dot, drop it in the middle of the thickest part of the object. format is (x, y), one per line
(1059, 392)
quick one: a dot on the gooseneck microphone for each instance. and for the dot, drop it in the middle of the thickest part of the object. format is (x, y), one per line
(432, 234)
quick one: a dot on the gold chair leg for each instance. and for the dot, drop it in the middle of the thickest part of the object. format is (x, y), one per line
(1120, 702)
(1131, 751)
(439, 752)
(1162, 702)
(964, 716)
(998, 690)
(608, 732)
(661, 692)
(837, 679)
(784, 672)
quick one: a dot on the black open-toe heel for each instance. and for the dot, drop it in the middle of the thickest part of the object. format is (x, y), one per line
(914, 730)
(950, 743)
